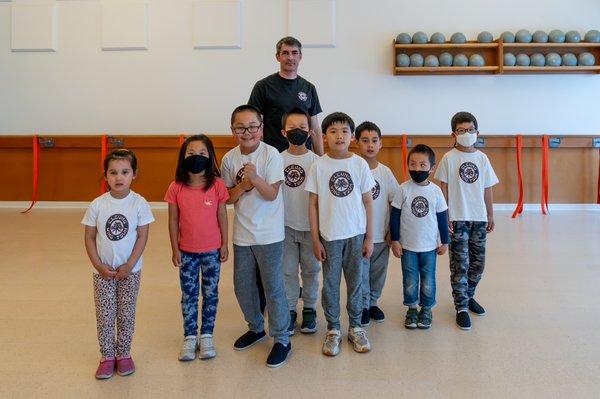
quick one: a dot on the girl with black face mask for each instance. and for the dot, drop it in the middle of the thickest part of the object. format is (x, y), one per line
(198, 233)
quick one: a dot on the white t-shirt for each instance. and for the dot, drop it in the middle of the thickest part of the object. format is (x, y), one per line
(385, 188)
(467, 174)
(116, 221)
(418, 221)
(257, 221)
(295, 198)
(340, 183)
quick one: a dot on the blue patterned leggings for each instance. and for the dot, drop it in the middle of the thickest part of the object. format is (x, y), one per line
(208, 265)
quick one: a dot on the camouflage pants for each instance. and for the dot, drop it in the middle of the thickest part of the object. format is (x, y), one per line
(467, 260)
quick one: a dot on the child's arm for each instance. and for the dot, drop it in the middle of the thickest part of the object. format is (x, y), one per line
(238, 190)
(313, 218)
(444, 187)
(222, 218)
(174, 234)
(395, 215)
(89, 238)
(367, 199)
(140, 243)
(442, 219)
(317, 135)
(268, 191)
(488, 197)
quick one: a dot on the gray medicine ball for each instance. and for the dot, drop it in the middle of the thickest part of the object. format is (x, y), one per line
(539, 36)
(485, 37)
(569, 59)
(572, 36)
(523, 36)
(420, 38)
(432, 61)
(458, 38)
(476, 60)
(538, 59)
(509, 59)
(416, 60)
(586, 59)
(593, 36)
(523, 60)
(438, 38)
(403, 38)
(508, 37)
(553, 59)
(460, 60)
(402, 60)
(556, 36)
(446, 59)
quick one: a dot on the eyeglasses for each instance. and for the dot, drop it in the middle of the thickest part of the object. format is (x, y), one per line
(463, 131)
(250, 129)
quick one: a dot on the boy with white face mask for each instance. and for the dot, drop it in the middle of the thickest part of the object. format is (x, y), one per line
(467, 177)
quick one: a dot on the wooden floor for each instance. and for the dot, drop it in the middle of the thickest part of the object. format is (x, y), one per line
(540, 338)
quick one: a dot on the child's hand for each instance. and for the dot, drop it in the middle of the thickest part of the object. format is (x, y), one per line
(224, 251)
(106, 272)
(319, 251)
(450, 226)
(442, 249)
(396, 249)
(367, 249)
(123, 271)
(388, 239)
(490, 224)
(176, 258)
(250, 171)
(246, 184)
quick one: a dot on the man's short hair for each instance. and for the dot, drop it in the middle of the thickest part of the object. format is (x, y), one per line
(289, 41)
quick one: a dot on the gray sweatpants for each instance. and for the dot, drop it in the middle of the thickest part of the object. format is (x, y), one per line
(374, 274)
(297, 250)
(342, 255)
(269, 260)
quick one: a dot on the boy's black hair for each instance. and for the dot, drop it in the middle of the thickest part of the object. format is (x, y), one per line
(212, 171)
(462, 117)
(422, 149)
(335, 118)
(246, 107)
(121, 153)
(295, 111)
(368, 126)
(289, 41)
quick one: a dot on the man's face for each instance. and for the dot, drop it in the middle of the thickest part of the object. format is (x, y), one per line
(289, 58)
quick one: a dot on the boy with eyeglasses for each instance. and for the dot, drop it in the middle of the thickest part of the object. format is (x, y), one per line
(467, 177)
(253, 173)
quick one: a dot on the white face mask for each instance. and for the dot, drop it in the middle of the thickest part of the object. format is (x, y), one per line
(466, 139)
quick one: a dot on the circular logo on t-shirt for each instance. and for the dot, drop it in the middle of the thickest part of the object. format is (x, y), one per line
(469, 172)
(341, 184)
(419, 207)
(294, 175)
(302, 96)
(116, 227)
(239, 176)
(376, 190)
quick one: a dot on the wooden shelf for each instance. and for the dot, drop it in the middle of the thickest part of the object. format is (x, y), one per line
(546, 69)
(551, 45)
(469, 45)
(445, 70)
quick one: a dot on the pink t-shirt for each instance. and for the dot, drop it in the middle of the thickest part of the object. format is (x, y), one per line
(198, 224)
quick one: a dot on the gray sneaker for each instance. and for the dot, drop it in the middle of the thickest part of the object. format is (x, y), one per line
(331, 346)
(207, 349)
(188, 349)
(411, 319)
(424, 318)
(358, 337)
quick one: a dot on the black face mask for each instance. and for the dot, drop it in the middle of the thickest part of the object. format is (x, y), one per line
(419, 176)
(196, 163)
(297, 136)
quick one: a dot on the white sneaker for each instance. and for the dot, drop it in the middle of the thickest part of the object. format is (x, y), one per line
(207, 349)
(331, 346)
(358, 337)
(188, 349)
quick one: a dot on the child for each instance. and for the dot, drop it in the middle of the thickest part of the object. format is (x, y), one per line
(198, 233)
(419, 211)
(297, 246)
(253, 172)
(368, 136)
(116, 231)
(340, 213)
(467, 177)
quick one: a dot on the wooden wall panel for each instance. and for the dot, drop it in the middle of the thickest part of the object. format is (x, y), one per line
(70, 171)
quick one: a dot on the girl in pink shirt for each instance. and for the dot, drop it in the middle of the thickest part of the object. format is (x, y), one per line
(198, 233)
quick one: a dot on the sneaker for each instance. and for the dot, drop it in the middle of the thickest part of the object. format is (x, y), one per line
(411, 319)
(358, 337)
(463, 320)
(331, 346)
(106, 368)
(125, 366)
(424, 318)
(292, 326)
(279, 354)
(207, 349)
(188, 349)
(376, 314)
(309, 321)
(365, 320)
(475, 307)
(248, 339)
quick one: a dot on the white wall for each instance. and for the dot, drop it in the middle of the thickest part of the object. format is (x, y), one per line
(172, 87)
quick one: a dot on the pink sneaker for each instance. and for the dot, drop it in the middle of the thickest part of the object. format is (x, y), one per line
(125, 366)
(106, 368)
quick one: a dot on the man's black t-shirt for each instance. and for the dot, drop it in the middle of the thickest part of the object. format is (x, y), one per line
(274, 96)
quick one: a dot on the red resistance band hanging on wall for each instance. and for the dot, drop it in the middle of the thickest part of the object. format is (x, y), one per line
(36, 168)
(103, 151)
(405, 157)
(519, 208)
(544, 202)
